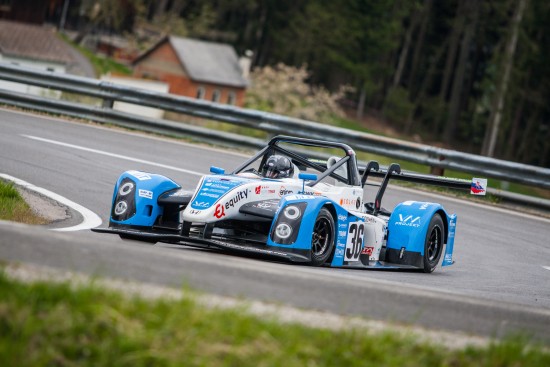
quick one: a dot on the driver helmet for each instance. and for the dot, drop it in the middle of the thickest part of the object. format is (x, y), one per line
(278, 166)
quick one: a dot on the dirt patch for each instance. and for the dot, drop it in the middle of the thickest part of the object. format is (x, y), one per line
(44, 207)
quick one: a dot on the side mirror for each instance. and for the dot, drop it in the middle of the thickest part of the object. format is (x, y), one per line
(307, 176)
(217, 170)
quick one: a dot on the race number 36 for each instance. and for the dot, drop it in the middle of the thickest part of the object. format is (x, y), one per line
(354, 242)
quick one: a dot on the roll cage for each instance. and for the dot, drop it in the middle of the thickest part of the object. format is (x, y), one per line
(310, 159)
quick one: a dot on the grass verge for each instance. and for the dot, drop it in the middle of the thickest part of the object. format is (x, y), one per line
(102, 65)
(14, 208)
(58, 324)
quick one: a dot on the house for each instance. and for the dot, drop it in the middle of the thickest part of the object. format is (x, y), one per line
(34, 46)
(196, 69)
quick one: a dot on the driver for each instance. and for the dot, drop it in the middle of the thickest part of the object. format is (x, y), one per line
(278, 166)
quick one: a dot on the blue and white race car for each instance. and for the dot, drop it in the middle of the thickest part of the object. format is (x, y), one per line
(296, 199)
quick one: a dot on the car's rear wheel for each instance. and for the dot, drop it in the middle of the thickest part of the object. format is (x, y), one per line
(433, 246)
(322, 239)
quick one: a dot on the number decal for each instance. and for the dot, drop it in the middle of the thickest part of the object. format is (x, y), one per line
(354, 242)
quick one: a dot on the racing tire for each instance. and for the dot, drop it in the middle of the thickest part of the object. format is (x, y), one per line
(322, 238)
(127, 237)
(433, 246)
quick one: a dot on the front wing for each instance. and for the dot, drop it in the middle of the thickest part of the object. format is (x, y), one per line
(211, 243)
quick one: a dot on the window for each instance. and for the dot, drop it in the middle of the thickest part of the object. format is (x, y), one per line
(200, 92)
(231, 98)
(216, 95)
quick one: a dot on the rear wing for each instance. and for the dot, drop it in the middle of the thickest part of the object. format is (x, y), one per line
(477, 186)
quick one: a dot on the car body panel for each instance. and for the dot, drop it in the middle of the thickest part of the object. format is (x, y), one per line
(245, 212)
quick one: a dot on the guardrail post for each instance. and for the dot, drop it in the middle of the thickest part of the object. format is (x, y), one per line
(438, 171)
(108, 103)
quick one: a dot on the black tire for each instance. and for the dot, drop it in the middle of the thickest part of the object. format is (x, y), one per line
(322, 238)
(433, 245)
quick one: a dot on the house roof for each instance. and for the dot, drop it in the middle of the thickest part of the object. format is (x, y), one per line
(32, 42)
(207, 62)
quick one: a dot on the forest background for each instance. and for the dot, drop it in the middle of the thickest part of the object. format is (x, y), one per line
(471, 75)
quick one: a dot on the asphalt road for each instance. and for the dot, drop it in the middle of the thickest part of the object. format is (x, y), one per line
(499, 284)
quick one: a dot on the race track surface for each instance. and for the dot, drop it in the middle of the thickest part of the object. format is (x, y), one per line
(498, 285)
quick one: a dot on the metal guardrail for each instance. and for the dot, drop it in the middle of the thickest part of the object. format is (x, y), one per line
(271, 123)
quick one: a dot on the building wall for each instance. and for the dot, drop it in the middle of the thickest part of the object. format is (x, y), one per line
(163, 64)
(31, 89)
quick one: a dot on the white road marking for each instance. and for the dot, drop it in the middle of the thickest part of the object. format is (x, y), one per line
(91, 220)
(119, 156)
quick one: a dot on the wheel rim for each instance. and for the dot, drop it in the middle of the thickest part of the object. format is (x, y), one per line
(434, 244)
(321, 237)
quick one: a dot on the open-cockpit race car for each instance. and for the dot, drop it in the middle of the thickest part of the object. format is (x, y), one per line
(296, 199)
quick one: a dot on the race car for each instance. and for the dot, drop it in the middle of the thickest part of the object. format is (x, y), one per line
(296, 199)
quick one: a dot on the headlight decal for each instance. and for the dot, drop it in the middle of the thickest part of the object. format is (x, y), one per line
(124, 206)
(286, 228)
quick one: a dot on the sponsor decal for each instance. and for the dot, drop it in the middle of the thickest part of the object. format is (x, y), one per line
(449, 258)
(263, 189)
(284, 191)
(343, 225)
(339, 252)
(142, 176)
(201, 204)
(367, 251)
(219, 212)
(347, 201)
(342, 217)
(310, 193)
(300, 197)
(263, 205)
(358, 203)
(195, 212)
(243, 194)
(212, 190)
(424, 206)
(179, 193)
(216, 191)
(145, 194)
(342, 233)
(368, 219)
(408, 221)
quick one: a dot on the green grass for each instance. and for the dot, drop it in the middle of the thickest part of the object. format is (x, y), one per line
(60, 325)
(14, 208)
(102, 65)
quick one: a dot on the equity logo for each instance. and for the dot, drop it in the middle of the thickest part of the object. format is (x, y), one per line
(238, 197)
(219, 212)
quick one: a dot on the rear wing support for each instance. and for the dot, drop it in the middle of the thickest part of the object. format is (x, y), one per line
(476, 187)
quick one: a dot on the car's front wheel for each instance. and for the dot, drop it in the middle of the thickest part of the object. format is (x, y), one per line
(322, 239)
(433, 246)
